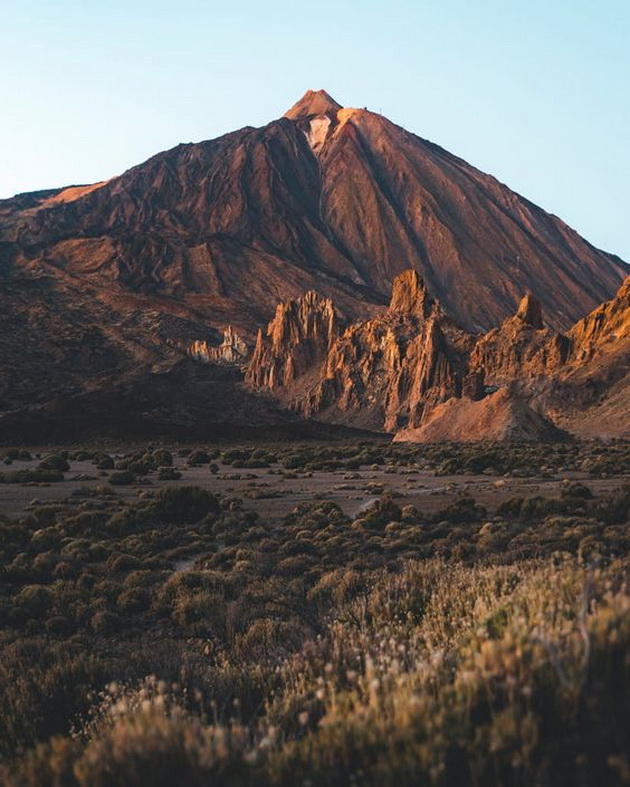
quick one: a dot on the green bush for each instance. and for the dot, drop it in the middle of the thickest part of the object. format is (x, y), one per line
(54, 462)
(122, 478)
(186, 504)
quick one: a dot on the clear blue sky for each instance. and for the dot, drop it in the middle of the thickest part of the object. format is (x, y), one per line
(536, 92)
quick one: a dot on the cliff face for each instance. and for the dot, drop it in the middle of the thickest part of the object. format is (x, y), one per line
(396, 370)
(604, 330)
(522, 347)
(297, 342)
(591, 394)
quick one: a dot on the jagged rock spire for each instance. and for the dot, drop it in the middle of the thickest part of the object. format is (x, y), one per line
(530, 311)
(410, 295)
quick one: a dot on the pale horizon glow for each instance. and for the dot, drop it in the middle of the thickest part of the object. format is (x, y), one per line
(534, 93)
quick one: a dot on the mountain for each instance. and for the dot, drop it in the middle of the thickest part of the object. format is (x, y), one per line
(414, 371)
(339, 200)
(188, 254)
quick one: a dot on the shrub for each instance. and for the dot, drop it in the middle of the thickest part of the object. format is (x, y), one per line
(184, 505)
(198, 457)
(59, 626)
(105, 622)
(169, 474)
(28, 476)
(35, 599)
(163, 458)
(103, 461)
(463, 511)
(122, 478)
(54, 462)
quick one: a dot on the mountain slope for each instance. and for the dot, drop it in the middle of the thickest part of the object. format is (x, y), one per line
(337, 199)
(98, 279)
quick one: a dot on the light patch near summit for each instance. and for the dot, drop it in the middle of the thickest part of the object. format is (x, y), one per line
(344, 114)
(318, 131)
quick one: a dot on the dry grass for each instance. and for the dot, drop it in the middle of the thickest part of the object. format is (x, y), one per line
(395, 647)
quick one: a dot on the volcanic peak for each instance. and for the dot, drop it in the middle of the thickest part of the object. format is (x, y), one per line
(313, 103)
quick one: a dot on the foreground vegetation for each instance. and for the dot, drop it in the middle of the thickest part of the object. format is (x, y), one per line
(177, 639)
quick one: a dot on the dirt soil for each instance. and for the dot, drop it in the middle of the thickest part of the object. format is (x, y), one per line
(273, 495)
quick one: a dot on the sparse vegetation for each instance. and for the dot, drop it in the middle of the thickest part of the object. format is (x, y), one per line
(179, 637)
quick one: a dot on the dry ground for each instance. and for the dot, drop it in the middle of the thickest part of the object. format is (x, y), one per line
(273, 495)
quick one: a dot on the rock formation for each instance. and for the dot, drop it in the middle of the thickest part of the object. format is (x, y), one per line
(297, 341)
(520, 347)
(606, 329)
(501, 416)
(378, 373)
(413, 369)
(232, 349)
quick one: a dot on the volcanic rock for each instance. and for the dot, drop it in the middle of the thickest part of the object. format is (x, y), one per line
(530, 312)
(232, 349)
(413, 366)
(377, 373)
(298, 339)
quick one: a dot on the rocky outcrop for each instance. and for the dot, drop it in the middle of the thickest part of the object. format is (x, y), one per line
(522, 347)
(379, 373)
(530, 312)
(605, 329)
(413, 369)
(232, 349)
(590, 396)
(296, 343)
(410, 297)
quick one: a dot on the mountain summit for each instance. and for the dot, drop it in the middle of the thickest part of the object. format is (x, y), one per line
(313, 102)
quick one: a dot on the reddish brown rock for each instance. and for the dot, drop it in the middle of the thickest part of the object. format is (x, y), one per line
(397, 370)
(521, 347)
(232, 226)
(530, 312)
(378, 374)
(590, 396)
(410, 296)
(501, 416)
(232, 349)
(296, 343)
(313, 103)
(604, 330)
